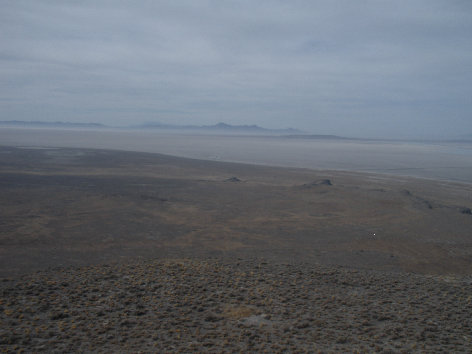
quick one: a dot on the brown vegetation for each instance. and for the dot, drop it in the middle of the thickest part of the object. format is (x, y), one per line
(206, 256)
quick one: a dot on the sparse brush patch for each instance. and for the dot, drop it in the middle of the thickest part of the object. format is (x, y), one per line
(238, 311)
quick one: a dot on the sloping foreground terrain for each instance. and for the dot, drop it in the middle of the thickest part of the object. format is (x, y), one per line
(63, 207)
(234, 306)
(122, 251)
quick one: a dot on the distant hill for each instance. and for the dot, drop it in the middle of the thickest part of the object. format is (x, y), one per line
(217, 128)
(21, 123)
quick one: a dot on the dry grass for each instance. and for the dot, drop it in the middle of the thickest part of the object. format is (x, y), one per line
(239, 311)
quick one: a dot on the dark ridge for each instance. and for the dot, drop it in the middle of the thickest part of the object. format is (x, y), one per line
(418, 201)
(465, 210)
(421, 202)
(320, 182)
(233, 179)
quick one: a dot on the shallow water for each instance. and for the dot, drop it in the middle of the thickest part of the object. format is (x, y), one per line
(445, 161)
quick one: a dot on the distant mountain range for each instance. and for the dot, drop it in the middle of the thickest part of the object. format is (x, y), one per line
(220, 127)
(217, 128)
(223, 128)
(22, 123)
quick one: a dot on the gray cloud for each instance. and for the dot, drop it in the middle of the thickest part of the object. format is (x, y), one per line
(344, 67)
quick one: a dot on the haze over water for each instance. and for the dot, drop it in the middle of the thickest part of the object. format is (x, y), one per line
(435, 160)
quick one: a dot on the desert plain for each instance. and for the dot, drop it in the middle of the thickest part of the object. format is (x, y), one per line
(116, 251)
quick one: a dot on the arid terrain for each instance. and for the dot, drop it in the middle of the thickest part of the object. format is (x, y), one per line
(217, 305)
(121, 251)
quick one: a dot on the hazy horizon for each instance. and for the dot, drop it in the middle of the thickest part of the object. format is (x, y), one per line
(362, 69)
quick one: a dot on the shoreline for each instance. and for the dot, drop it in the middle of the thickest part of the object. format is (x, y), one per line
(411, 159)
(365, 172)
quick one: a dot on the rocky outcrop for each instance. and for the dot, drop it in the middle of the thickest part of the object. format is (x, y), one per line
(320, 182)
(233, 179)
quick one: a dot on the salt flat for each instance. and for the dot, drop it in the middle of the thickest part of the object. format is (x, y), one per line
(434, 160)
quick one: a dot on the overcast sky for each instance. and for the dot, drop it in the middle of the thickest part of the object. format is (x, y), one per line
(359, 68)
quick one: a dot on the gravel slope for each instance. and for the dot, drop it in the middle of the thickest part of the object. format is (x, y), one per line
(233, 305)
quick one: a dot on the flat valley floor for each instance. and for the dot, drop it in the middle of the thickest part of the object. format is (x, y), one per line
(121, 251)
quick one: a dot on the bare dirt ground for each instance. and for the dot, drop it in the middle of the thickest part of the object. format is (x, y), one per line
(227, 257)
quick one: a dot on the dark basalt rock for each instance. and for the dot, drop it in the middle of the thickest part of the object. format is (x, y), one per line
(418, 201)
(233, 179)
(320, 182)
